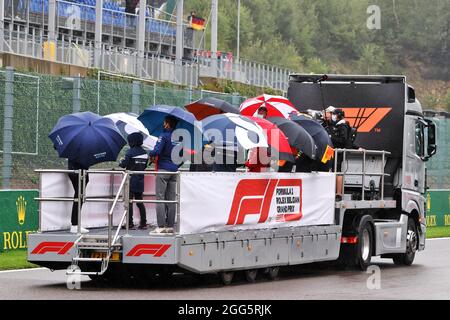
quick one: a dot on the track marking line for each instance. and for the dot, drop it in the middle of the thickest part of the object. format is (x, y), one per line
(22, 270)
(437, 239)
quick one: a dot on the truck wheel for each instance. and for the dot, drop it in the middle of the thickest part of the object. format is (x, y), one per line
(227, 277)
(365, 244)
(251, 275)
(273, 272)
(412, 240)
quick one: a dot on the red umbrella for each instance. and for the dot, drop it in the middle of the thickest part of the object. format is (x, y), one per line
(276, 139)
(277, 106)
(210, 106)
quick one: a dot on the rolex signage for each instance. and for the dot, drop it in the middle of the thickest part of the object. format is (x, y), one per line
(18, 217)
(438, 208)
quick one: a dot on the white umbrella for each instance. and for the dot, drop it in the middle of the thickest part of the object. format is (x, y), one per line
(128, 123)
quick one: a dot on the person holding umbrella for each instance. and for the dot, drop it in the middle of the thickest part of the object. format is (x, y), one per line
(74, 165)
(166, 185)
(136, 159)
(85, 139)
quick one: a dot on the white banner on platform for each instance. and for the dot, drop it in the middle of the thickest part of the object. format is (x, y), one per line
(57, 215)
(230, 201)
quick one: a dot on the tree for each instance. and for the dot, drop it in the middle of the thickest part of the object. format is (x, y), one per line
(371, 60)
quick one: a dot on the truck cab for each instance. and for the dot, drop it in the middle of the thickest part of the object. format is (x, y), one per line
(387, 116)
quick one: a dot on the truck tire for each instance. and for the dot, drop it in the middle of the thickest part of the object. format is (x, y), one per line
(227, 277)
(251, 275)
(365, 243)
(273, 272)
(407, 258)
(359, 255)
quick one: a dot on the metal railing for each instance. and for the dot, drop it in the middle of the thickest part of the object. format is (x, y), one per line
(118, 51)
(249, 72)
(340, 161)
(177, 194)
(113, 58)
(121, 195)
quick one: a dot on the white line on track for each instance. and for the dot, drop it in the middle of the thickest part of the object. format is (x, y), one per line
(438, 239)
(21, 270)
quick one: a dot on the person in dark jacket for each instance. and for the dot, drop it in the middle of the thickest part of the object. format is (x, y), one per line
(165, 184)
(340, 130)
(74, 165)
(136, 159)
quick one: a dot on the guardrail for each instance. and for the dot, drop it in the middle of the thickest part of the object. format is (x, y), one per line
(121, 195)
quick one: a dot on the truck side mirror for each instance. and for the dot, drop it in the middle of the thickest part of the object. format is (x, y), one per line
(411, 95)
(431, 143)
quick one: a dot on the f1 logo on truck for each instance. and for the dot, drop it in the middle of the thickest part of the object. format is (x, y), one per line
(365, 119)
(156, 250)
(255, 197)
(59, 247)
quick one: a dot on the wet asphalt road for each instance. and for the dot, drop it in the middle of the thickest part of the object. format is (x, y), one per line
(427, 278)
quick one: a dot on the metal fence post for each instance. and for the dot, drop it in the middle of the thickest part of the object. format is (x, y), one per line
(2, 17)
(189, 95)
(235, 99)
(98, 33)
(76, 99)
(8, 127)
(136, 97)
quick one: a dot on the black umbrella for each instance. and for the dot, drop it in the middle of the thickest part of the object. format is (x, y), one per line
(297, 136)
(319, 134)
(210, 106)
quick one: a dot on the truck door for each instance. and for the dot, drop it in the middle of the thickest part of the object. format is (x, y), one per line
(414, 169)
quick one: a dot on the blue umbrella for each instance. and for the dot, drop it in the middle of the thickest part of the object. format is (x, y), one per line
(87, 138)
(153, 119)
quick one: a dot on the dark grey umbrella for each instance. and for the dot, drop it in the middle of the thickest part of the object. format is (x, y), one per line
(317, 132)
(297, 136)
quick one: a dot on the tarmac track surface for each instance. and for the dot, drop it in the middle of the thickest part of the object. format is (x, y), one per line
(427, 278)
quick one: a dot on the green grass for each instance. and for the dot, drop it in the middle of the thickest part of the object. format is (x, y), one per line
(438, 232)
(14, 260)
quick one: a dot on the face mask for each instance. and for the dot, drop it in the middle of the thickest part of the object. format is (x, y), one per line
(261, 116)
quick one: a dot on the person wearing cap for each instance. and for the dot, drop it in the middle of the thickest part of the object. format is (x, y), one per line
(340, 130)
(136, 159)
(262, 112)
(166, 184)
(341, 136)
(326, 120)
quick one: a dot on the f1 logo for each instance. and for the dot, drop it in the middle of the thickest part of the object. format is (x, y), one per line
(365, 119)
(59, 247)
(156, 250)
(254, 197)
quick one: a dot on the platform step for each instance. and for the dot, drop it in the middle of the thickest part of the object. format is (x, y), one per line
(97, 244)
(78, 259)
(95, 237)
(82, 273)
